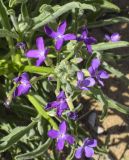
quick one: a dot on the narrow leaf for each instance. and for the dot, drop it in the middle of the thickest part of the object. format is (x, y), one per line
(108, 5)
(6, 33)
(38, 70)
(110, 21)
(14, 136)
(12, 3)
(35, 153)
(65, 8)
(41, 110)
(109, 45)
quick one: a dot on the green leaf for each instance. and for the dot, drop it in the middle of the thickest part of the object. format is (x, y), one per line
(24, 12)
(109, 5)
(46, 8)
(116, 105)
(116, 73)
(38, 70)
(109, 45)
(6, 33)
(12, 3)
(99, 96)
(35, 153)
(41, 110)
(65, 8)
(5, 22)
(4, 16)
(109, 103)
(110, 21)
(112, 70)
(15, 135)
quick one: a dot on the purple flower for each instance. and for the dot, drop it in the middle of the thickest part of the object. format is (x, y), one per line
(86, 148)
(61, 136)
(60, 104)
(24, 85)
(40, 53)
(96, 73)
(115, 37)
(84, 83)
(21, 45)
(59, 36)
(73, 115)
(87, 40)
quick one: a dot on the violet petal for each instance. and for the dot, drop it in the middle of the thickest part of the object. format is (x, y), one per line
(103, 74)
(60, 144)
(33, 54)
(89, 152)
(62, 127)
(50, 32)
(91, 142)
(80, 76)
(40, 43)
(78, 153)
(62, 27)
(53, 134)
(70, 139)
(69, 36)
(59, 43)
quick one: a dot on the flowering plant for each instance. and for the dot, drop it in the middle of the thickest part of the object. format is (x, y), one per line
(43, 99)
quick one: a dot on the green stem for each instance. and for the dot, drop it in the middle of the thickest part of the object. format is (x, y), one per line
(57, 87)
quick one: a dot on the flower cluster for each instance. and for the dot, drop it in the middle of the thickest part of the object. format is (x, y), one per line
(96, 76)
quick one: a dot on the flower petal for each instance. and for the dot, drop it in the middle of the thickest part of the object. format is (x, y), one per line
(59, 112)
(40, 61)
(89, 152)
(46, 52)
(17, 79)
(90, 40)
(91, 142)
(69, 36)
(33, 54)
(61, 108)
(89, 48)
(70, 139)
(95, 63)
(55, 104)
(82, 85)
(25, 76)
(40, 43)
(89, 82)
(64, 105)
(59, 43)
(50, 32)
(91, 71)
(85, 32)
(60, 144)
(115, 37)
(73, 115)
(80, 76)
(61, 95)
(62, 127)
(22, 89)
(62, 27)
(103, 74)
(50, 106)
(107, 37)
(78, 153)
(100, 82)
(53, 133)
